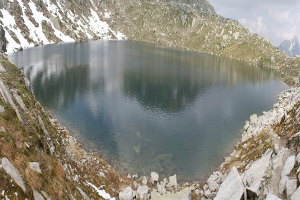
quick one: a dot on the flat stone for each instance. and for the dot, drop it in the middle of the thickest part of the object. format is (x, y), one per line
(296, 195)
(35, 166)
(142, 192)
(37, 195)
(10, 169)
(184, 194)
(173, 181)
(126, 194)
(232, 188)
(272, 197)
(154, 177)
(254, 176)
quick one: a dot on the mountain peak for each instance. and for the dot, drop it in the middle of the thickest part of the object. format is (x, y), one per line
(290, 47)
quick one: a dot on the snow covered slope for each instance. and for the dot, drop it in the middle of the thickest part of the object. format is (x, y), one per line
(290, 47)
(36, 22)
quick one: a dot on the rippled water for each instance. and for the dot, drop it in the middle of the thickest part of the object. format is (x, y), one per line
(148, 108)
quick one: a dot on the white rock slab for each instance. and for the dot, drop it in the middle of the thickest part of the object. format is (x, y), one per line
(126, 194)
(253, 177)
(10, 169)
(296, 195)
(232, 188)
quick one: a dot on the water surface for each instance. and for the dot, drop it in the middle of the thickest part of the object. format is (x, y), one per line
(149, 108)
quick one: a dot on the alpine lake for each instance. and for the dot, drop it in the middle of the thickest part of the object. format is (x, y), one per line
(145, 108)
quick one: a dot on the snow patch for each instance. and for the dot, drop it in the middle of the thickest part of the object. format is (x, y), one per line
(101, 192)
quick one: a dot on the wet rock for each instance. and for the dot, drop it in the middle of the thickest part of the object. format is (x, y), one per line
(184, 194)
(126, 194)
(10, 169)
(232, 188)
(35, 166)
(254, 176)
(37, 195)
(173, 181)
(154, 177)
(142, 192)
(272, 197)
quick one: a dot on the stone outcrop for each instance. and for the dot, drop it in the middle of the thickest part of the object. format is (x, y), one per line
(12, 171)
(3, 40)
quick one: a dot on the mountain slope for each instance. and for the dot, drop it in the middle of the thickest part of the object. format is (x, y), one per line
(290, 47)
(186, 24)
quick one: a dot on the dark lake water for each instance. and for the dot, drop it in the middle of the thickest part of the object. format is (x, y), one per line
(148, 108)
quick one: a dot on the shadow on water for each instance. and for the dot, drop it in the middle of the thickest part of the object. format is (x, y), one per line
(149, 108)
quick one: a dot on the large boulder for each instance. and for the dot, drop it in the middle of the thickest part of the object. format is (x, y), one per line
(296, 195)
(154, 177)
(254, 176)
(13, 172)
(126, 194)
(232, 188)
